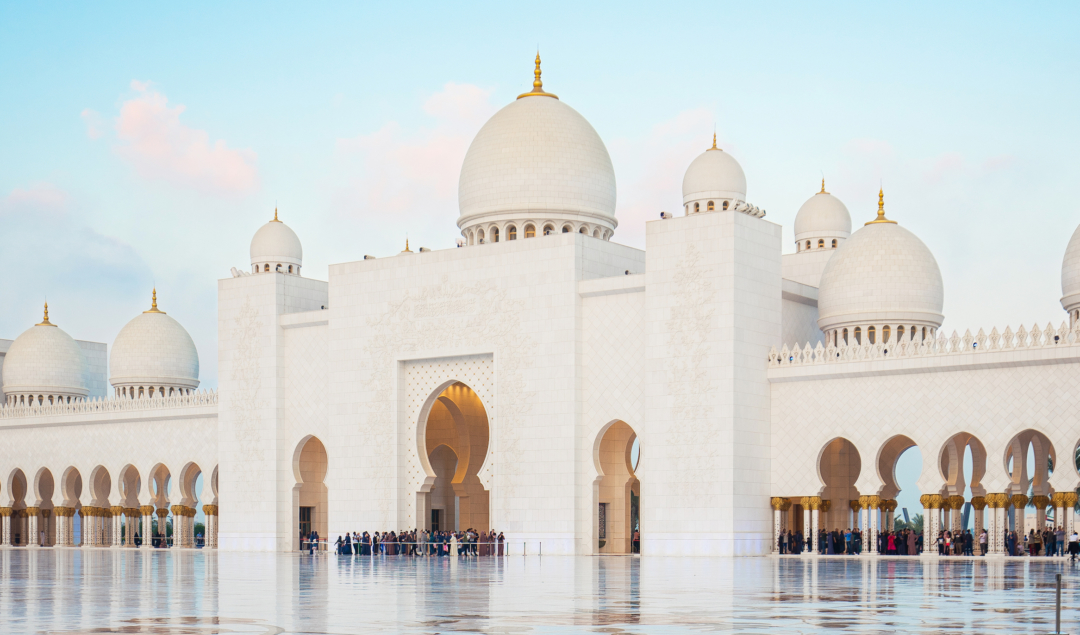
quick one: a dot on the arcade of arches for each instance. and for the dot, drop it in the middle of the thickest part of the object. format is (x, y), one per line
(43, 511)
(1028, 460)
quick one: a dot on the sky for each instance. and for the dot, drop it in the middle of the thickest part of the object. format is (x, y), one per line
(144, 144)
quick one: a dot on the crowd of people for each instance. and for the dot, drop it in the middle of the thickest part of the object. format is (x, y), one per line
(1049, 542)
(413, 543)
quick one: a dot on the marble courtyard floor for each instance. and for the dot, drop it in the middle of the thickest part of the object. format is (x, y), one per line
(196, 592)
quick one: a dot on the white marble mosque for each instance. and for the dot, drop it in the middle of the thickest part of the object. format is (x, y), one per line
(547, 382)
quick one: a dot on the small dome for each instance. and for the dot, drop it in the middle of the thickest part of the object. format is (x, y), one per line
(154, 350)
(882, 274)
(275, 244)
(1070, 274)
(45, 361)
(822, 216)
(537, 160)
(714, 175)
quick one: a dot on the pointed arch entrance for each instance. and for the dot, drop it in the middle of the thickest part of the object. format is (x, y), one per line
(310, 493)
(617, 489)
(453, 440)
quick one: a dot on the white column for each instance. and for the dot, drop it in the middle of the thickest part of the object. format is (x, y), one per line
(33, 537)
(815, 518)
(864, 524)
(147, 512)
(5, 531)
(775, 533)
(875, 514)
(807, 526)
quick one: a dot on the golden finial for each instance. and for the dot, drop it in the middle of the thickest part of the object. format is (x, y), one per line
(822, 186)
(881, 209)
(714, 141)
(407, 246)
(275, 216)
(46, 321)
(538, 86)
(153, 306)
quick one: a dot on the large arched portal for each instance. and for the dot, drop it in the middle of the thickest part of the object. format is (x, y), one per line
(454, 438)
(310, 493)
(615, 489)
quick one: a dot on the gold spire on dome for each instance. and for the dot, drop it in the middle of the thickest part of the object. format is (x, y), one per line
(275, 216)
(822, 186)
(153, 306)
(407, 246)
(538, 86)
(881, 210)
(46, 321)
(714, 142)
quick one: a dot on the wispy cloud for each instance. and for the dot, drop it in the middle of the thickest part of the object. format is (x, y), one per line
(153, 140)
(94, 125)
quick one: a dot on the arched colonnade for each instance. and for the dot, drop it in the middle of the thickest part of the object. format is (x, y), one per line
(43, 508)
(1021, 468)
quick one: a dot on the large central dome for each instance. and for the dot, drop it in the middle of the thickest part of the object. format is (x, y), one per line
(538, 164)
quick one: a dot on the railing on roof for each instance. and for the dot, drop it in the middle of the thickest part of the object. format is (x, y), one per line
(112, 404)
(968, 344)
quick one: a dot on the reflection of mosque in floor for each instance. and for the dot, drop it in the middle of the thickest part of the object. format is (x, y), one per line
(514, 383)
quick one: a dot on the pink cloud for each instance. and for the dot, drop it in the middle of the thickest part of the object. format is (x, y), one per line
(398, 171)
(159, 146)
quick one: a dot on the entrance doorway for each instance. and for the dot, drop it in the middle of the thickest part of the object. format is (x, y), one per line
(617, 490)
(454, 439)
(310, 494)
(305, 520)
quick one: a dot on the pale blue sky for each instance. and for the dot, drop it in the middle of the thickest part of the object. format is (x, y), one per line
(354, 118)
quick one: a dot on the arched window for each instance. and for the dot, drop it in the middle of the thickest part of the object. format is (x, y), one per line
(584, 230)
(697, 207)
(821, 243)
(725, 204)
(266, 267)
(924, 333)
(278, 268)
(549, 229)
(687, 208)
(899, 333)
(834, 243)
(480, 237)
(885, 335)
(870, 333)
(858, 335)
(566, 229)
(290, 268)
(845, 336)
(711, 207)
(808, 244)
(494, 234)
(511, 233)
(530, 231)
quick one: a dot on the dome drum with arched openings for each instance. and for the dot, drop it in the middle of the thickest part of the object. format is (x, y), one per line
(881, 280)
(153, 356)
(45, 366)
(823, 222)
(537, 161)
(1070, 278)
(275, 248)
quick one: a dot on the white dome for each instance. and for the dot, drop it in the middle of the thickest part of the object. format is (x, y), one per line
(822, 216)
(45, 360)
(276, 244)
(882, 274)
(154, 350)
(714, 175)
(537, 159)
(1070, 274)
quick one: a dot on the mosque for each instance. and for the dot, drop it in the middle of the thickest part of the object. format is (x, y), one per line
(549, 383)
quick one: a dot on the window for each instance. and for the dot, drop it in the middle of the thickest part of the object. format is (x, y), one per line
(858, 335)
(530, 231)
(697, 207)
(596, 233)
(711, 207)
(870, 333)
(808, 244)
(845, 336)
(688, 209)
(924, 333)
(494, 234)
(266, 268)
(725, 204)
(566, 229)
(834, 243)
(480, 237)
(290, 268)
(885, 334)
(899, 333)
(511, 233)
(584, 230)
(548, 229)
(821, 243)
(278, 268)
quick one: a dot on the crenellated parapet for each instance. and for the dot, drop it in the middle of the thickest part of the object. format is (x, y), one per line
(968, 344)
(112, 404)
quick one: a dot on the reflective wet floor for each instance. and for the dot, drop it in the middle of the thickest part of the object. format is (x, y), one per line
(196, 592)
